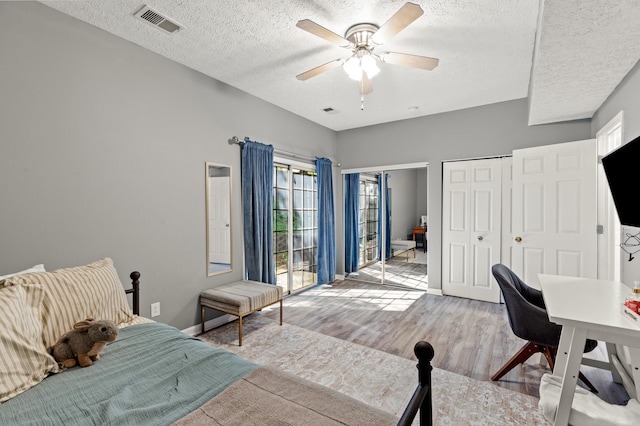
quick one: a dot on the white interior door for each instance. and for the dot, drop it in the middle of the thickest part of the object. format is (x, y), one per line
(472, 203)
(219, 220)
(554, 211)
(506, 246)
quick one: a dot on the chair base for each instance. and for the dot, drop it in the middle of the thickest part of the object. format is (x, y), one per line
(526, 352)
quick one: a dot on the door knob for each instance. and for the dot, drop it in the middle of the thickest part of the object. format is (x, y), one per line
(518, 239)
(480, 238)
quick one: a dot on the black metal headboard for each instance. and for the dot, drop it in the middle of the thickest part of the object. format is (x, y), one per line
(135, 290)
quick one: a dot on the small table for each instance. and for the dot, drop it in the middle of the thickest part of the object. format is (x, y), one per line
(586, 308)
(421, 230)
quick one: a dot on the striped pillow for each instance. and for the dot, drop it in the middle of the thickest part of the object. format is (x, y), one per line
(24, 361)
(73, 294)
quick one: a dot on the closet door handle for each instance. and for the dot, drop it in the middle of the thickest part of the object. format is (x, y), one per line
(480, 238)
(518, 239)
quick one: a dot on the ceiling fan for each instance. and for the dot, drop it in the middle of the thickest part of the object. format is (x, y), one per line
(362, 39)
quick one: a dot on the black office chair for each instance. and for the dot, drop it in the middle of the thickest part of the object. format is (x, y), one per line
(529, 321)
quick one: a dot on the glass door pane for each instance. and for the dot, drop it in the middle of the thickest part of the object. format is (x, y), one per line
(305, 230)
(281, 225)
(295, 221)
(368, 222)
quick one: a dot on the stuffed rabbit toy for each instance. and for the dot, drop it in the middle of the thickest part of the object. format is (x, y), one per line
(84, 342)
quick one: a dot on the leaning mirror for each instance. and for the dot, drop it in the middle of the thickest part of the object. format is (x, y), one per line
(218, 190)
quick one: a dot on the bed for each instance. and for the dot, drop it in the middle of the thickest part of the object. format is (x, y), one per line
(152, 373)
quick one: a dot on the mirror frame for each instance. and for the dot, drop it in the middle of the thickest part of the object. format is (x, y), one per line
(208, 187)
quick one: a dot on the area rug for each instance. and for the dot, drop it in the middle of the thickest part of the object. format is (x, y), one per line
(372, 376)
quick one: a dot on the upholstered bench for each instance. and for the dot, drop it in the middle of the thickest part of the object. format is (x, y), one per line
(240, 298)
(404, 245)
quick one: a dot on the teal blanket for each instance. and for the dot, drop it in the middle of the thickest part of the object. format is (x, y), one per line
(153, 374)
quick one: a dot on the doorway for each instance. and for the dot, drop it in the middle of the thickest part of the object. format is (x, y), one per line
(610, 265)
(391, 202)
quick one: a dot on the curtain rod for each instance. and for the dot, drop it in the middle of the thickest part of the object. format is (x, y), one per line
(293, 155)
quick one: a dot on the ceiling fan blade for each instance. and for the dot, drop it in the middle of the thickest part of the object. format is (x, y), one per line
(366, 85)
(319, 70)
(399, 21)
(320, 31)
(414, 61)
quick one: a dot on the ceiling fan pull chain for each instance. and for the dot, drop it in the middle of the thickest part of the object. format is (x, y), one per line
(361, 102)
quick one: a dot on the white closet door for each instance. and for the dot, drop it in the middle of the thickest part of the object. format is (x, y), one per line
(506, 247)
(554, 211)
(472, 203)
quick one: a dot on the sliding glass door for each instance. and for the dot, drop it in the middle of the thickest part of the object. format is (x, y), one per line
(403, 193)
(295, 226)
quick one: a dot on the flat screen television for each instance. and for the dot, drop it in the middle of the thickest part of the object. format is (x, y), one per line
(623, 175)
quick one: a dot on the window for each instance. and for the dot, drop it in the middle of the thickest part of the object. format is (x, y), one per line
(295, 226)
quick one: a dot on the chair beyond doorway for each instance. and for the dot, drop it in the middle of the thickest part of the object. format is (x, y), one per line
(529, 321)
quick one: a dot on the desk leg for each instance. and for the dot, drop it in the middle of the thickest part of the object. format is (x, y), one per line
(563, 350)
(635, 366)
(569, 368)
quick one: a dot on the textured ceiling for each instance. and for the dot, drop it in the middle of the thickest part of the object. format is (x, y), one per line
(584, 49)
(485, 50)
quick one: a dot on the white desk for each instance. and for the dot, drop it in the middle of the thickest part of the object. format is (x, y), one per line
(586, 308)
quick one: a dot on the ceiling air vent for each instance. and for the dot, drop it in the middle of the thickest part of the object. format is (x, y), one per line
(157, 20)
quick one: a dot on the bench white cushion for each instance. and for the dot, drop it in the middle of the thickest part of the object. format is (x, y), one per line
(403, 244)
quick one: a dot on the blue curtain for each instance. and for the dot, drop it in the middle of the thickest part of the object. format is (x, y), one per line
(386, 210)
(326, 254)
(257, 203)
(351, 241)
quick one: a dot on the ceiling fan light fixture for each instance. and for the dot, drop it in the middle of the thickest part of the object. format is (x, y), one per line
(361, 62)
(352, 68)
(368, 65)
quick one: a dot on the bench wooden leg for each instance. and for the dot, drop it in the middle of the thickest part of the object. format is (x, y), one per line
(280, 311)
(202, 316)
(240, 330)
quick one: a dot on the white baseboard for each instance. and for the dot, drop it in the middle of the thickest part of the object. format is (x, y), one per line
(436, 291)
(212, 323)
(339, 277)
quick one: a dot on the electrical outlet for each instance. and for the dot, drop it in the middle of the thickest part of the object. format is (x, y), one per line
(155, 309)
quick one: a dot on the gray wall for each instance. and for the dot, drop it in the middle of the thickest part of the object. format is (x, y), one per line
(489, 130)
(421, 199)
(403, 184)
(103, 146)
(625, 98)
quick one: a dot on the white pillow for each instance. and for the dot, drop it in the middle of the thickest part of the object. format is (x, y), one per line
(35, 268)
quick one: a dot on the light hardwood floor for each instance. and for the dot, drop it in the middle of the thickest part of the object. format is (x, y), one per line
(470, 337)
